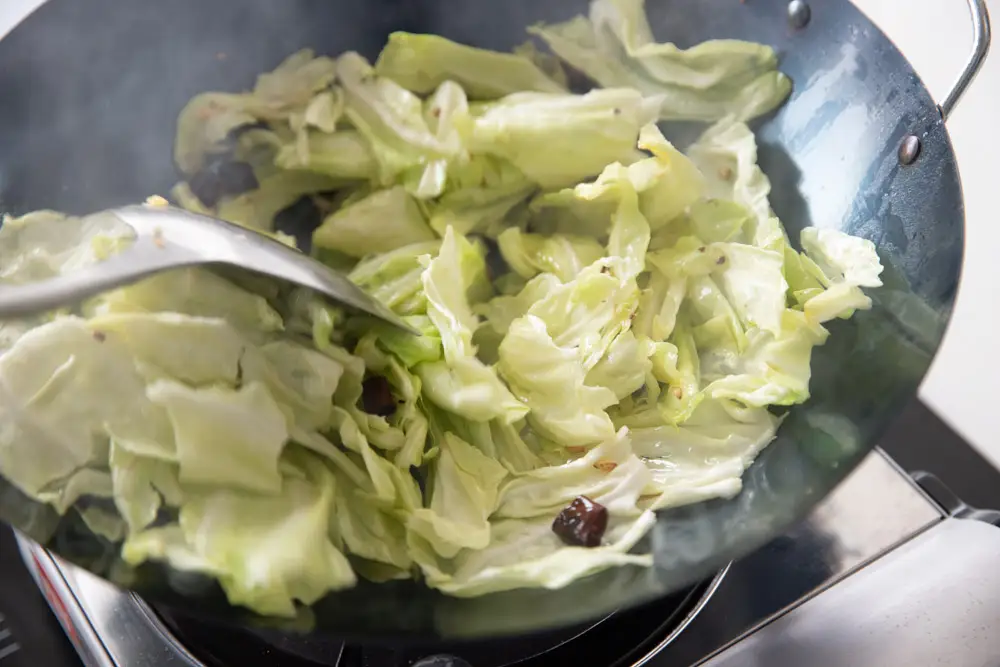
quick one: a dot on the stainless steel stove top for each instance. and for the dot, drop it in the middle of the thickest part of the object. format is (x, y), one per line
(878, 574)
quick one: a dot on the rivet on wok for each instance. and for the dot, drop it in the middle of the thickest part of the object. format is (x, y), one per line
(909, 149)
(799, 14)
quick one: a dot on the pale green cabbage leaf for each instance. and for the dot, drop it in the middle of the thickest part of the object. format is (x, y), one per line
(423, 62)
(557, 140)
(383, 221)
(615, 47)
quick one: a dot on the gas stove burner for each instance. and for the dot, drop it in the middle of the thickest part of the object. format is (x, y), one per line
(615, 641)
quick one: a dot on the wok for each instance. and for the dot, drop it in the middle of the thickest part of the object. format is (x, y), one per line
(89, 96)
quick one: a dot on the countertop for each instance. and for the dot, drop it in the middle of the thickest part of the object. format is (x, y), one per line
(936, 36)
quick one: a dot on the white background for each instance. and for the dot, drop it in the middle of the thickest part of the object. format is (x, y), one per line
(964, 383)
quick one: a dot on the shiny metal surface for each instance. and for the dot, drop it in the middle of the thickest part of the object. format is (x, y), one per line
(981, 35)
(80, 622)
(112, 627)
(932, 601)
(168, 238)
(875, 509)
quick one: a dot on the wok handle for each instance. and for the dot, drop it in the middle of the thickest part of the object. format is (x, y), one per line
(980, 47)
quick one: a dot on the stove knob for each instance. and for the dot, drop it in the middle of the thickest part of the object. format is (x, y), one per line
(441, 661)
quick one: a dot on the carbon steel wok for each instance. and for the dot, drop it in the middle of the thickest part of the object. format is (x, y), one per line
(89, 96)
